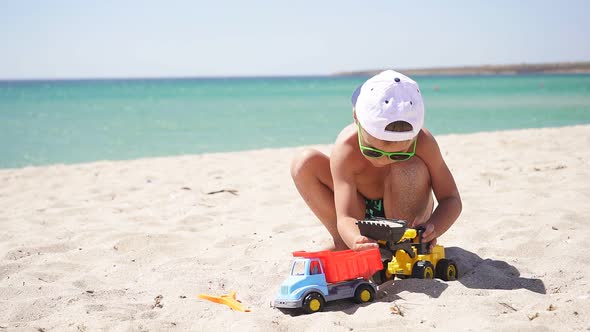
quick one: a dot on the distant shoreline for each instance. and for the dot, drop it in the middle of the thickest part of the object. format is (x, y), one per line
(515, 69)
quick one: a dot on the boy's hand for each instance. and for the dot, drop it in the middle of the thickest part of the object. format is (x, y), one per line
(429, 234)
(364, 243)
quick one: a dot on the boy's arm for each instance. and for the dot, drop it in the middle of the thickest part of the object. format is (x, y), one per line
(346, 199)
(443, 185)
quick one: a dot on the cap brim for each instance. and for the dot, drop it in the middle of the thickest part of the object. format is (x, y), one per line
(355, 95)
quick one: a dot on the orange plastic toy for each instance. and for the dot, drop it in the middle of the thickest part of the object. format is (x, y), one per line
(227, 299)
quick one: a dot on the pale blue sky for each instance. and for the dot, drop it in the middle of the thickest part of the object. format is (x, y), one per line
(109, 38)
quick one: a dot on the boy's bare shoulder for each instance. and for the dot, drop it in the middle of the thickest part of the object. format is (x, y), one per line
(345, 151)
(346, 134)
(426, 139)
(427, 147)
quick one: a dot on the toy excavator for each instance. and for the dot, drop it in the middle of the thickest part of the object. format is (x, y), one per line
(403, 252)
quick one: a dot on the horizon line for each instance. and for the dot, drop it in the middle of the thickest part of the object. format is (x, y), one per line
(566, 67)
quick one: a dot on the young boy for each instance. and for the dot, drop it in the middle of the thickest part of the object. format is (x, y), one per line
(385, 164)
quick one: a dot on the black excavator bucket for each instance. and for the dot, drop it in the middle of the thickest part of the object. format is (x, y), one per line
(383, 229)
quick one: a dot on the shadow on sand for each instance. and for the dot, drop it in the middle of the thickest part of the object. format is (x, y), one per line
(479, 273)
(474, 272)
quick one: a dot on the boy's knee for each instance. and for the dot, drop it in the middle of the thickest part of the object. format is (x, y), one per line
(412, 177)
(306, 161)
(415, 168)
(407, 193)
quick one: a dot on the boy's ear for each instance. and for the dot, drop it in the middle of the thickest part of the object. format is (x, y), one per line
(354, 115)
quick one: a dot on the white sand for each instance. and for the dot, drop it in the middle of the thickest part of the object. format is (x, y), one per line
(89, 247)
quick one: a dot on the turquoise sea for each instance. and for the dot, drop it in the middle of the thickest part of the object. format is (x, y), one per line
(48, 122)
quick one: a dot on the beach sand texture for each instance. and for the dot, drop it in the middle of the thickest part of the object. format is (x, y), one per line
(129, 245)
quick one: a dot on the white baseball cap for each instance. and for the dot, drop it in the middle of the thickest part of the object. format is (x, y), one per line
(385, 98)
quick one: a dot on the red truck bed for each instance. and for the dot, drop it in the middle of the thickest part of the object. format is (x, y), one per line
(346, 264)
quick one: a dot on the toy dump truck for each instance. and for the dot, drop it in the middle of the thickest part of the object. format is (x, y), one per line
(323, 276)
(404, 253)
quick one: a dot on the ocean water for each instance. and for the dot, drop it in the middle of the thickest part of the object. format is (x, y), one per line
(48, 122)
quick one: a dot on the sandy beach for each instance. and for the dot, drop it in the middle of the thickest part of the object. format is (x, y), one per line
(129, 245)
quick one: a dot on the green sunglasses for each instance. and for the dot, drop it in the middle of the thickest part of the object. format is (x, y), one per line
(376, 153)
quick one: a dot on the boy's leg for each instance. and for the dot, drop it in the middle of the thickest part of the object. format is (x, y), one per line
(408, 192)
(311, 173)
